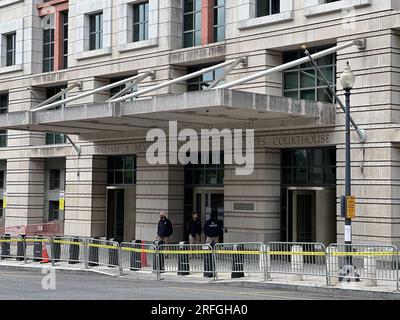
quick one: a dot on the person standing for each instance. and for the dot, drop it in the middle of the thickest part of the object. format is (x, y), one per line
(194, 229)
(165, 229)
(213, 228)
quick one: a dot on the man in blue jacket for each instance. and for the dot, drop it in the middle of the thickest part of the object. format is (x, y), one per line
(164, 230)
(213, 228)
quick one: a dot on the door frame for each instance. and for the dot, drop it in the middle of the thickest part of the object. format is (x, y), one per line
(108, 188)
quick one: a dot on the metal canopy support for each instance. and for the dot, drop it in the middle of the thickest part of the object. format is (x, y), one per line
(227, 71)
(101, 89)
(76, 147)
(60, 94)
(179, 79)
(129, 86)
(360, 132)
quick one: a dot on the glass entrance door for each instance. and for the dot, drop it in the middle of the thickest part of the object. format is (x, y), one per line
(208, 201)
(304, 216)
(115, 214)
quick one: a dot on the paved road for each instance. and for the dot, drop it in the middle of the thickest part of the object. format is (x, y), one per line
(16, 285)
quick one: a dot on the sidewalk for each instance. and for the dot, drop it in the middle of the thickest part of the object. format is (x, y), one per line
(386, 291)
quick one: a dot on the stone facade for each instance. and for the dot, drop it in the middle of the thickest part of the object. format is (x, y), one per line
(263, 40)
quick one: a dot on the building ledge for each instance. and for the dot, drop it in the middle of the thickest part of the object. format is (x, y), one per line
(5, 3)
(18, 67)
(198, 54)
(266, 20)
(334, 6)
(138, 45)
(94, 53)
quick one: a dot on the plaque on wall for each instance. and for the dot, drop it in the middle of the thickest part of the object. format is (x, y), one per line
(243, 206)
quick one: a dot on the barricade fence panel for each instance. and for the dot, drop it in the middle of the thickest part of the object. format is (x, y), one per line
(68, 249)
(240, 258)
(102, 253)
(38, 249)
(138, 256)
(186, 258)
(12, 247)
(353, 262)
(299, 258)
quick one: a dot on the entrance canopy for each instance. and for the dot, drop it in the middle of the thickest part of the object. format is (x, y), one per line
(219, 107)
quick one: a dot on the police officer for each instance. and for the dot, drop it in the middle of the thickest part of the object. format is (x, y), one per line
(194, 229)
(164, 230)
(213, 228)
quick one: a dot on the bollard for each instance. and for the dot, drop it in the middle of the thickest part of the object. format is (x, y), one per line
(297, 263)
(158, 264)
(183, 260)
(6, 247)
(93, 254)
(37, 249)
(370, 268)
(21, 249)
(237, 263)
(135, 258)
(73, 252)
(332, 266)
(56, 249)
(209, 264)
(113, 255)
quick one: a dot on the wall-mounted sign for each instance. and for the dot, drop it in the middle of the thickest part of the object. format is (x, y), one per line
(62, 201)
(243, 206)
(4, 200)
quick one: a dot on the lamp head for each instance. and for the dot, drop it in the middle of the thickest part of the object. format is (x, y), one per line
(347, 79)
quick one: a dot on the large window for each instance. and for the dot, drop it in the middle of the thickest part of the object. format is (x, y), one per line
(54, 210)
(3, 138)
(96, 31)
(315, 167)
(205, 174)
(121, 170)
(267, 7)
(219, 20)
(3, 103)
(191, 23)
(197, 83)
(48, 44)
(65, 39)
(11, 45)
(301, 82)
(55, 175)
(55, 138)
(141, 21)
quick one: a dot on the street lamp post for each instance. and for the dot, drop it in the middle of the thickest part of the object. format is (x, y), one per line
(347, 80)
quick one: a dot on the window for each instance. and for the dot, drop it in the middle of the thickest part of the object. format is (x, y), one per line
(191, 23)
(55, 138)
(267, 7)
(65, 39)
(121, 170)
(115, 90)
(48, 44)
(309, 166)
(1, 179)
(54, 183)
(205, 174)
(219, 20)
(3, 103)
(301, 83)
(3, 138)
(11, 49)
(96, 31)
(54, 210)
(141, 21)
(196, 84)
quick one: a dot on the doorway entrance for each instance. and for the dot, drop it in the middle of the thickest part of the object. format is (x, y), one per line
(121, 212)
(311, 213)
(206, 201)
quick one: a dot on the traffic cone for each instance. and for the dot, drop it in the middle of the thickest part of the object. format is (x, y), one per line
(143, 257)
(45, 255)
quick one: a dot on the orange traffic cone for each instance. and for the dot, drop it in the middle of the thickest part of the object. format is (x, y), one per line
(143, 257)
(45, 255)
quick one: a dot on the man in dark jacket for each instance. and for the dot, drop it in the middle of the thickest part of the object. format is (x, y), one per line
(213, 228)
(194, 229)
(165, 229)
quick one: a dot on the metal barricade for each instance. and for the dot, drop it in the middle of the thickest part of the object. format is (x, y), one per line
(238, 259)
(102, 253)
(370, 264)
(297, 259)
(38, 249)
(138, 256)
(68, 249)
(184, 259)
(12, 247)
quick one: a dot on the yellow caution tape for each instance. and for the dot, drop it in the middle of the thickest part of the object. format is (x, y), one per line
(103, 246)
(138, 250)
(344, 254)
(11, 240)
(68, 242)
(290, 253)
(37, 240)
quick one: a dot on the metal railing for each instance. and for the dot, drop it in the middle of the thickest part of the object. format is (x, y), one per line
(296, 258)
(239, 259)
(372, 263)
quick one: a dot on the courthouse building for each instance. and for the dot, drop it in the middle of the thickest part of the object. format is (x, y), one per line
(83, 163)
